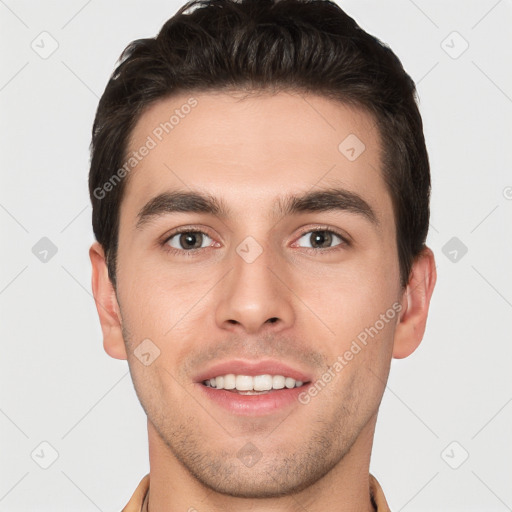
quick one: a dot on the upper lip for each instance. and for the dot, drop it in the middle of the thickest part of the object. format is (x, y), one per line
(247, 367)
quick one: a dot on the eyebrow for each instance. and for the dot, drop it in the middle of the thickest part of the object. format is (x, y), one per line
(332, 199)
(171, 202)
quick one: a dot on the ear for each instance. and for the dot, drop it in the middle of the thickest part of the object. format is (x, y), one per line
(106, 304)
(415, 303)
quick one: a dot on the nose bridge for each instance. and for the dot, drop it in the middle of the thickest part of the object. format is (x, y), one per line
(252, 294)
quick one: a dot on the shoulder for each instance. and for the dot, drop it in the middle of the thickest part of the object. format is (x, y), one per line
(377, 495)
(135, 503)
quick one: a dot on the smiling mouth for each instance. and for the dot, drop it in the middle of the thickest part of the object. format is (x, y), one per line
(252, 385)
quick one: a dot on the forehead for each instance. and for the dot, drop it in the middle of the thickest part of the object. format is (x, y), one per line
(250, 150)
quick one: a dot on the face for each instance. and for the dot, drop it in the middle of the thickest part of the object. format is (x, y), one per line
(284, 269)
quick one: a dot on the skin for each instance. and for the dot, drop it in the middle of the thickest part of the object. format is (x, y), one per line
(198, 309)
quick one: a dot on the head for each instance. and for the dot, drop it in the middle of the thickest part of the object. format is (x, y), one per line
(251, 123)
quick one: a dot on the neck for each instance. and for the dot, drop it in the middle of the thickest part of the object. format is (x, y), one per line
(345, 488)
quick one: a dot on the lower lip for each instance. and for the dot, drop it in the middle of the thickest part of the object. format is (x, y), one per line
(254, 405)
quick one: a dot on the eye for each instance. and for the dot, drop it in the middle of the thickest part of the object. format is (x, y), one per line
(321, 239)
(188, 240)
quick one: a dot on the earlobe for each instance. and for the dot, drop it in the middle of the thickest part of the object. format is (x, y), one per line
(415, 305)
(106, 304)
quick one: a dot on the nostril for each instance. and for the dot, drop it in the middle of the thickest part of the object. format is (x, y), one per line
(273, 320)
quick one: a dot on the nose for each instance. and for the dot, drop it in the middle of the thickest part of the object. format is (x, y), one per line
(254, 295)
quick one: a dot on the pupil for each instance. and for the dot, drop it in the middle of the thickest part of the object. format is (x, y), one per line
(190, 240)
(320, 237)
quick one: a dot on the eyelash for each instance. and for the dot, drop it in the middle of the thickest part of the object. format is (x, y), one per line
(311, 250)
(182, 252)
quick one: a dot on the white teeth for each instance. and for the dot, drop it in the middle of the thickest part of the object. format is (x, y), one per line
(278, 382)
(289, 382)
(259, 383)
(229, 381)
(262, 382)
(244, 383)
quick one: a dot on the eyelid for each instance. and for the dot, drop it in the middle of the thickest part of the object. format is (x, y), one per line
(184, 252)
(184, 229)
(204, 236)
(345, 238)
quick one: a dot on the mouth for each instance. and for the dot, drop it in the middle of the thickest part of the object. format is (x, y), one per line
(253, 388)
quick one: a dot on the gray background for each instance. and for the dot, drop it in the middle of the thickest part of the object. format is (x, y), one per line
(448, 401)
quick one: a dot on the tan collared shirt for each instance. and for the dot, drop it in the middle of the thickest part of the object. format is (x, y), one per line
(138, 502)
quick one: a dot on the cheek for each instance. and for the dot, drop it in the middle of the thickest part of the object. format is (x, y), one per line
(349, 297)
(359, 366)
(169, 313)
(156, 296)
